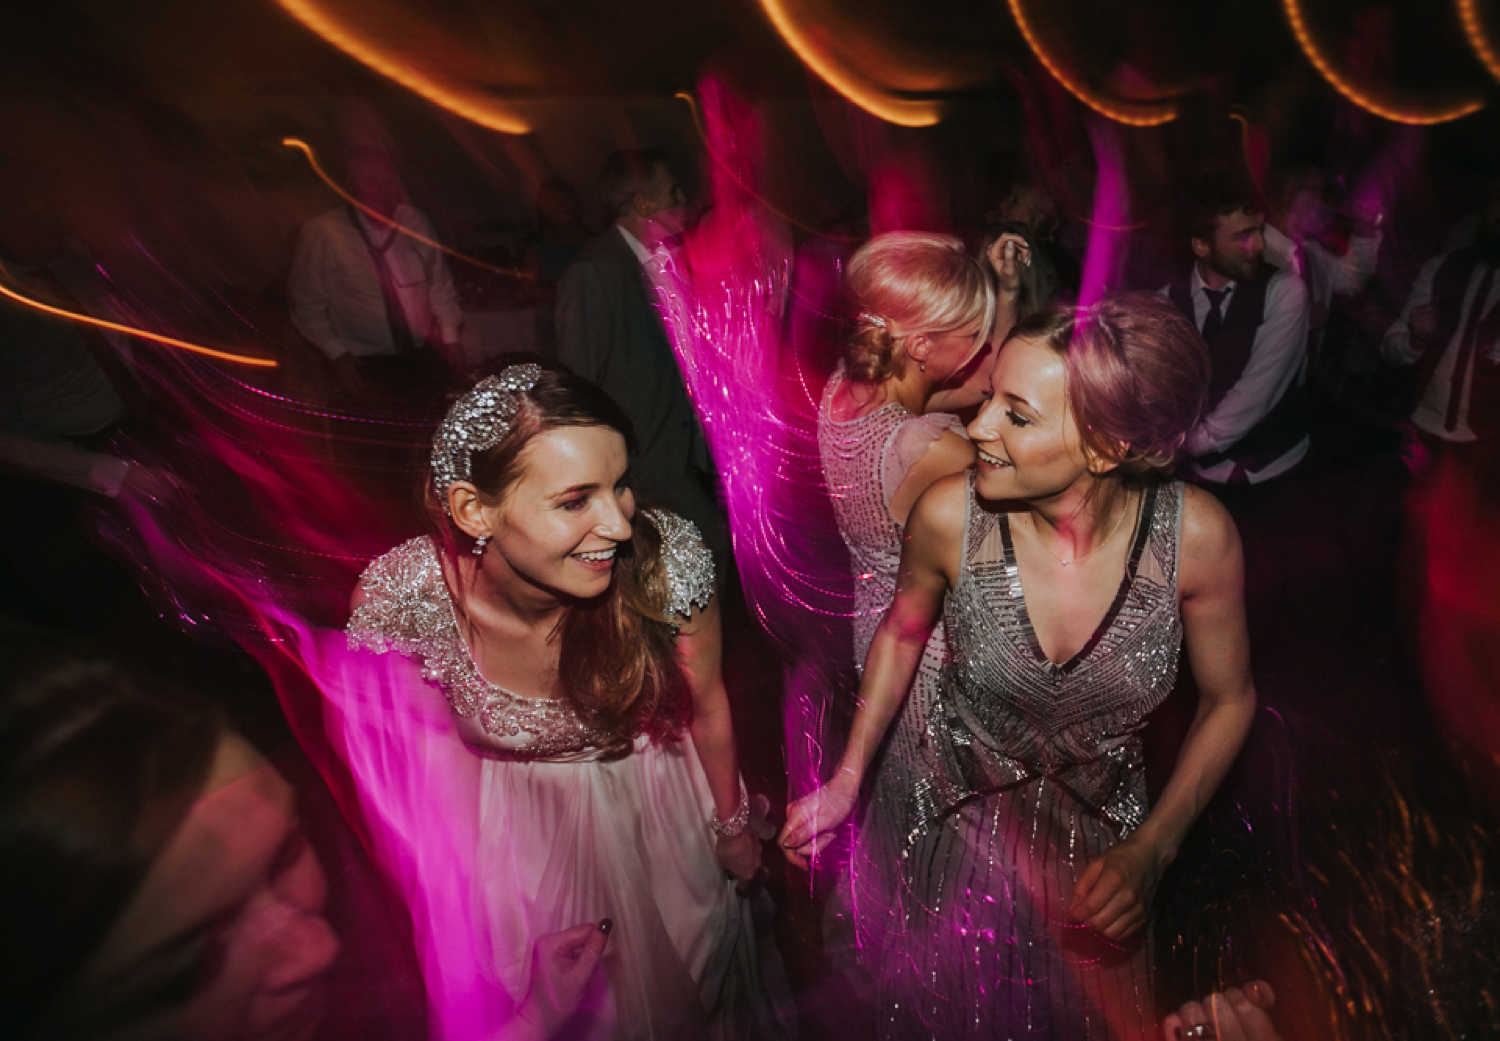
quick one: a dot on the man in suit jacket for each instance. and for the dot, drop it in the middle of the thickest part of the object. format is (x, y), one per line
(608, 331)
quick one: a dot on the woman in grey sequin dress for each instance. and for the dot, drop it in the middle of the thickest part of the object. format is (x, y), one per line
(1067, 571)
(926, 308)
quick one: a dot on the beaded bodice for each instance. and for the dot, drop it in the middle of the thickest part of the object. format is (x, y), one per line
(1020, 715)
(408, 609)
(854, 454)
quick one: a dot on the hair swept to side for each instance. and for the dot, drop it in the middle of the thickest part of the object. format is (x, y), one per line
(98, 769)
(1137, 374)
(618, 664)
(913, 282)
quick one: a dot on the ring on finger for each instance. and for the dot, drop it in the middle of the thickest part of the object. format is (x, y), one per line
(1201, 1030)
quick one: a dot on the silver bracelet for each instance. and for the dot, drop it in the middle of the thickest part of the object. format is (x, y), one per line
(735, 825)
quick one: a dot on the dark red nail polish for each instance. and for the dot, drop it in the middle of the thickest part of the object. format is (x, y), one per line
(606, 925)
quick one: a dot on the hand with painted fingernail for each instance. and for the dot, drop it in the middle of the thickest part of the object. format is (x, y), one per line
(563, 963)
(1235, 1014)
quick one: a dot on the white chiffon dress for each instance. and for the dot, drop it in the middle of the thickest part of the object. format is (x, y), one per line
(565, 836)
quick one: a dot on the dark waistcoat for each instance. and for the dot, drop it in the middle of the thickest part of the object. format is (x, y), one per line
(1284, 427)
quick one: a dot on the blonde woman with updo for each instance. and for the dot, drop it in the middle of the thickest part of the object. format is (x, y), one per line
(926, 312)
(1068, 570)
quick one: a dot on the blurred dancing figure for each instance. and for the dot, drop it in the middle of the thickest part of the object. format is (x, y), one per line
(1335, 255)
(1450, 330)
(361, 289)
(1067, 570)
(551, 245)
(925, 314)
(609, 332)
(1254, 319)
(576, 639)
(156, 880)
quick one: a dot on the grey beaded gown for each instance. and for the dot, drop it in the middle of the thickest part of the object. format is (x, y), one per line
(1050, 758)
(864, 460)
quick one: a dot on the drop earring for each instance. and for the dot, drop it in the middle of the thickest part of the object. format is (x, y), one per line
(479, 545)
(921, 366)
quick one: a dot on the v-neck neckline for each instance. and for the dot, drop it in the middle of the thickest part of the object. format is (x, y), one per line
(1023, 613)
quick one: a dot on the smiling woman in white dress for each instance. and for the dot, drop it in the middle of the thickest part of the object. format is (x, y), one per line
(576, 639)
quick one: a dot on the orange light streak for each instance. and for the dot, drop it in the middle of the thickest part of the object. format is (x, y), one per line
(128, 330)
(1468, 16)
(333, 186)
(851, 84)
(1353, 94)
(471, 105)
(1131, 115)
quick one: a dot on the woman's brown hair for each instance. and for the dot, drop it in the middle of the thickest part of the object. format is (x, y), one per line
(618, 663)
(909, 282)
(1136, 379)
(98, 769)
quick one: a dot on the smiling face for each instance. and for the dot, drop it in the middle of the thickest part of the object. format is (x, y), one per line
(557, 526)
(1238, 245)
(239, 878)
(1029, 444)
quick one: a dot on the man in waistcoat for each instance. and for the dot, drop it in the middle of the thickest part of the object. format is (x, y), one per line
(608, 331)
(1450, 330)
(1254, 318)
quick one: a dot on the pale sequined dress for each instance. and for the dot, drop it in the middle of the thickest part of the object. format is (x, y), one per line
(864, 461)
(1052, 757)
(566, 836)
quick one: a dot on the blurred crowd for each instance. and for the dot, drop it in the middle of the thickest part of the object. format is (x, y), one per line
(160, 877)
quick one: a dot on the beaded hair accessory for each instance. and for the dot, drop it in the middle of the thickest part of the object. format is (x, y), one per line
(476, 422)
(872, 319)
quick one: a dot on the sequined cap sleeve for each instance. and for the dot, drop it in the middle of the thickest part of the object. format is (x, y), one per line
(690, 567)
(402, 605)
(407, 609)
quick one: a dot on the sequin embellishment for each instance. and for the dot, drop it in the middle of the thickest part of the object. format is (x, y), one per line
(408, 610)
(477, 422)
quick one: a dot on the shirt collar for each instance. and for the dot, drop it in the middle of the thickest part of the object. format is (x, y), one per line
(642, 254)
(1196, 283)
(378, 228)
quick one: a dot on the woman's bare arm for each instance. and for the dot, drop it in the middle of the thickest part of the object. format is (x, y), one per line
(1114, 893)
(928, 565)
(700, 651)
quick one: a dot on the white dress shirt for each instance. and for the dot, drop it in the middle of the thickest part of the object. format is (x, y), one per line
(1278, 359)
(336, 300)
(1399, 348)
(641, 252)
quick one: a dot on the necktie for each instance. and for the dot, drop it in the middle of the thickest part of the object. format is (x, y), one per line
(1215, 320)
(402, 337)
(1466, 349)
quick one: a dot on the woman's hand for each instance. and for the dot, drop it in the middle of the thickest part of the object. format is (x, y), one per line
(740, 856)
(811, 820)
(1234, 1015)
(562, 965)
(1007, 255)
(1113, 895)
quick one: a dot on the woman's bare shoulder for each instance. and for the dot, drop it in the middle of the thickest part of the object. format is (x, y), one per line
(943, 507)
(1210, 538)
